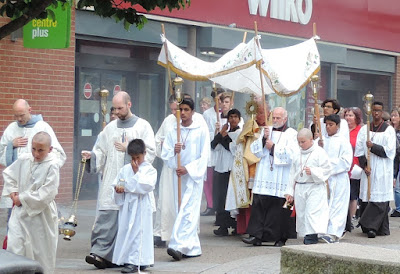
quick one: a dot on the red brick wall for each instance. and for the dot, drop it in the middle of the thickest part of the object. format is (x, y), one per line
(381, 88)
(45, 78)
(396, 86)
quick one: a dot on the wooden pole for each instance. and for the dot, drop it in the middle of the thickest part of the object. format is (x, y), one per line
(178, 91)
(368, 98)
(368, 158)
(216, 100)
(261, 78)
(166, 60)
(314, 80)
(314, 29)
(178, 156)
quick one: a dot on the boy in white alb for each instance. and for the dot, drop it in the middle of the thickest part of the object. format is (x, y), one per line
(307, 188)
(134, 187)
(340, 155)
(32, 184)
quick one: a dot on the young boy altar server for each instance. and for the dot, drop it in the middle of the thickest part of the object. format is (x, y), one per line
(134, 187)
(32, 183)
(307, 188)
(340, 155)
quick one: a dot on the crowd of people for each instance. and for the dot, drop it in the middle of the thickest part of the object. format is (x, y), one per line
(269, 183)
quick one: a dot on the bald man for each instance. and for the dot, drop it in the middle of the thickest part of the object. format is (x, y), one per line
(109, 155)
(17, 138)
(32, 183)
(276, 146)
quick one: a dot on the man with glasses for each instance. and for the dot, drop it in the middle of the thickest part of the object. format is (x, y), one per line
(382, 145)
(332, 106)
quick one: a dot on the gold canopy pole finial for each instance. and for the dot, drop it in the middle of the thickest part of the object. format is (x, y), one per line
(314, 80)
(103, 98)
(178, 82)
(368, 98)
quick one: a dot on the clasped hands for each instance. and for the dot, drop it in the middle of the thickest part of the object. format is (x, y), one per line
(268, 142)
(15, 198)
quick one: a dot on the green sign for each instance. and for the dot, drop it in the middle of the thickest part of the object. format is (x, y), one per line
(49, 33)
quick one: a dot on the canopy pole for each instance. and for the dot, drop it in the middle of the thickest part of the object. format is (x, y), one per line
(368, 98)
(314, 29)
(178, 82)
(261, 76)
(166, 60)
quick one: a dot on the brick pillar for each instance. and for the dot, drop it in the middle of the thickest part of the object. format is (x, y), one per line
(46, 79)
(396, 85)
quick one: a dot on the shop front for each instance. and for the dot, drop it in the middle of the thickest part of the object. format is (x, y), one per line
(108, 57)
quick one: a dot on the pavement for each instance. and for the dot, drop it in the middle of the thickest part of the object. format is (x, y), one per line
(219, 254)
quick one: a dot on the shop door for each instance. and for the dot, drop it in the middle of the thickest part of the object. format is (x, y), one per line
(89, 117)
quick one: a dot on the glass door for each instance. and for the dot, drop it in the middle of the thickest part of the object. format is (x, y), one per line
(89, 117)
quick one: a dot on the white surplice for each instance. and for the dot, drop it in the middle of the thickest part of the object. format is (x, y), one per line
(166, 212)
(194, 158)
(106, 158)
(381, 168)
(210, 116)
(309, 191)
(33, 226)
(7, 152)
(224, 157)
(340, 155)
(274, 182)
(134, 243)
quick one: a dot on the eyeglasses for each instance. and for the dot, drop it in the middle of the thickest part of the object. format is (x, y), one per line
(327, 106)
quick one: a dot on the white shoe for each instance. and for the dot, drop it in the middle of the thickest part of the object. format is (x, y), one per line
(328, 239)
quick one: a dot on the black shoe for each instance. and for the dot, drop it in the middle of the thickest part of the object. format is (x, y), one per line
(280, 243)
(371, 234)
(252, 241)
(208, 212)
(221, 231)
(395, 214)
(129, 268)
(310, 239)
(159, 243)
(97, 261)
(190, 256)
(177, 255)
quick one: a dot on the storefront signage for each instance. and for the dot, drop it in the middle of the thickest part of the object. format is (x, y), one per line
(287, 10)
(117, 88)
(87, 91)
(50, 33)
(365, 23)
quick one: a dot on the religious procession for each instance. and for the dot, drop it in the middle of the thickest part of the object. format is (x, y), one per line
(260, 178)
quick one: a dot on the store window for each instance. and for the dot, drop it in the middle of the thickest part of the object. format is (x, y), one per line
(353, 85)
(115, 67)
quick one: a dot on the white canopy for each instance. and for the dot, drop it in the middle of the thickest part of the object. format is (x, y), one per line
(289, 69)
(285, 70)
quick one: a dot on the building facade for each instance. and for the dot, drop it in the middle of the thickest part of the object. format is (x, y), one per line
(358, 49)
